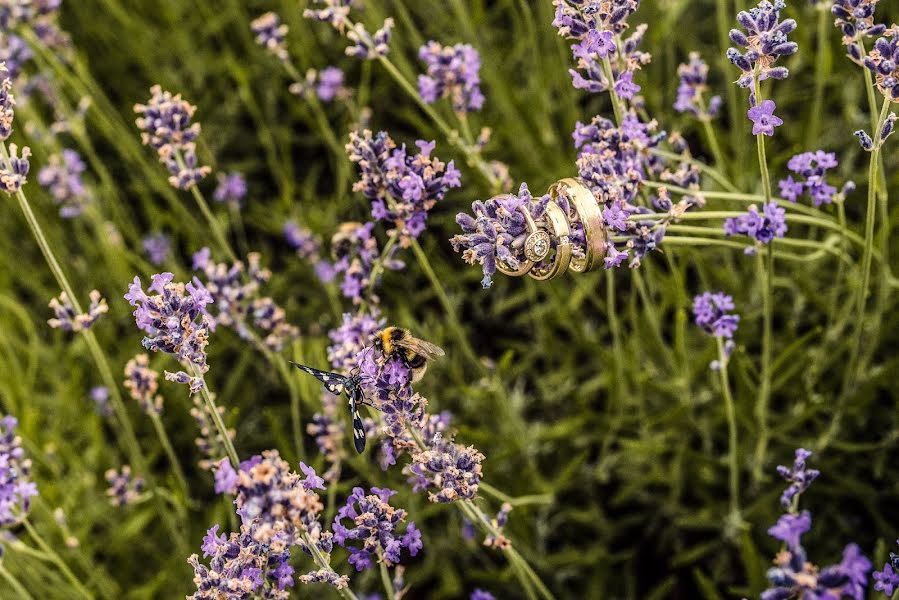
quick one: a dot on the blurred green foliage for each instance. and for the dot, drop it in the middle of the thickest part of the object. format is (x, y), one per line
(629, 442)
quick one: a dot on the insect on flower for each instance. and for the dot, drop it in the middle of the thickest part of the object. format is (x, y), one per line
(415, 353)
(351, 385)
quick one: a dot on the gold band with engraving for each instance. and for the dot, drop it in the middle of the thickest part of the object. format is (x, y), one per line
(559, 221)
(588, 211)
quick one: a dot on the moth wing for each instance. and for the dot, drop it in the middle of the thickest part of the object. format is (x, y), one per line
(427, 349)
(333, 382)
(358, 425)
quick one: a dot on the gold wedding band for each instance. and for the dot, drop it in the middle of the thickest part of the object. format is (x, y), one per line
(590, 216)
(559, 221)
(534, 235)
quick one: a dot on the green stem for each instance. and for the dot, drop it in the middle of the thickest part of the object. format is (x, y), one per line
(616, 101)
(822, 72)
(712, 139)
(544, 499)
(57, 560)
(712, 172)
(239, 228)
(170, 453)
(214, 224)
(732, 439)
(385, 578)
(448, 307)
(615, 329)
(764, 395)
(17, 587)
(219, 422)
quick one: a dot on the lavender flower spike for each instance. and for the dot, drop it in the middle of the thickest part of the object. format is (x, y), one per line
(232, 189)
(61, 176)
(765, 41)
(271, 34)
(16, 489)
(175, 321)
(883, 62)
(710, 311)
(68, 320)
(7, 104)
(452, 73)
(763, 227)
(124, 488)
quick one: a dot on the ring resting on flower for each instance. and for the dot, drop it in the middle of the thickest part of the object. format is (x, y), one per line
(553, 243)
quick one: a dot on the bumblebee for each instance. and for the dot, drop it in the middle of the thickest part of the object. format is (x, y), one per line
(415, 353)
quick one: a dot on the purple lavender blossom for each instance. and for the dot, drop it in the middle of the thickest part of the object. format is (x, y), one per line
(124, 488)
(886, 580)
(625, 86)
(452, 73)
(451, 469)
(68, 319)
(693, 86)
(497, 231)
(335, 12)
(799, 476)
(811, 167)
(239, 566)
(593, 25)
(175, 323)
(231, 189)
(16, 489)
(855, 18)
(374, 524)
(790, 528)
(765, 41)
(710, 311)
(402, 187)
(235, 293)
(763, 227)
(14, 175)
(100, 395)
(882, 62)
(368, 46)
(270, 34)
(763, 118)
(165, 123)
(279, 507)
(61, 176)
(141, 383)
(479, 594)
(157, 247)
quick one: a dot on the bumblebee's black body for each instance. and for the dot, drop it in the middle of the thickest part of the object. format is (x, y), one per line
(351, 385)
(415, 353)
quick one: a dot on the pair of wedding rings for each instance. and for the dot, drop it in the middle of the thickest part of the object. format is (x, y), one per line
(539, 243)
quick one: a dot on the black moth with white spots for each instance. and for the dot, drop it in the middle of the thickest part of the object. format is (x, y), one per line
(351, 385)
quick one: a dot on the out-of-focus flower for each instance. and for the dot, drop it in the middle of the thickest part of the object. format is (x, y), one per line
(176, 322)
(16, 487)
(14, 53)
(799, 476)
(335, 12)
(883, 62)
(790, 528)
(165, 123)
(68, 319)
(7, 108)
(452, 73)
(370, 46)
(271, 34)
(479, 594)
(692, 88)
(355, 251)
(240, 567)
(141, 383)
(157, 247)
(309, 248)
(374, 524)
(855, 18)
(710, 311)
(762, 226)
(765, 41)
(100, 395)
(402, 187)
(330, 85)
(498, 540)
(811, 169)
(61, 176)
(763, 118)
(235, 296)
(231, 189)
(124, 488)
(14, 173)
(328, 430)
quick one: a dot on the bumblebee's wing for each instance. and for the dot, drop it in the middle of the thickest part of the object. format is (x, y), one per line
(427, 349)
(358, 426)
(334, 382)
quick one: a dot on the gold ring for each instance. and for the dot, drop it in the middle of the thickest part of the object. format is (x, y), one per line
(590, 216)
(534, 235)
(559, 221)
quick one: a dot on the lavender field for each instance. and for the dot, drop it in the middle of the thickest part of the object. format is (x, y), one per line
(477, 299)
